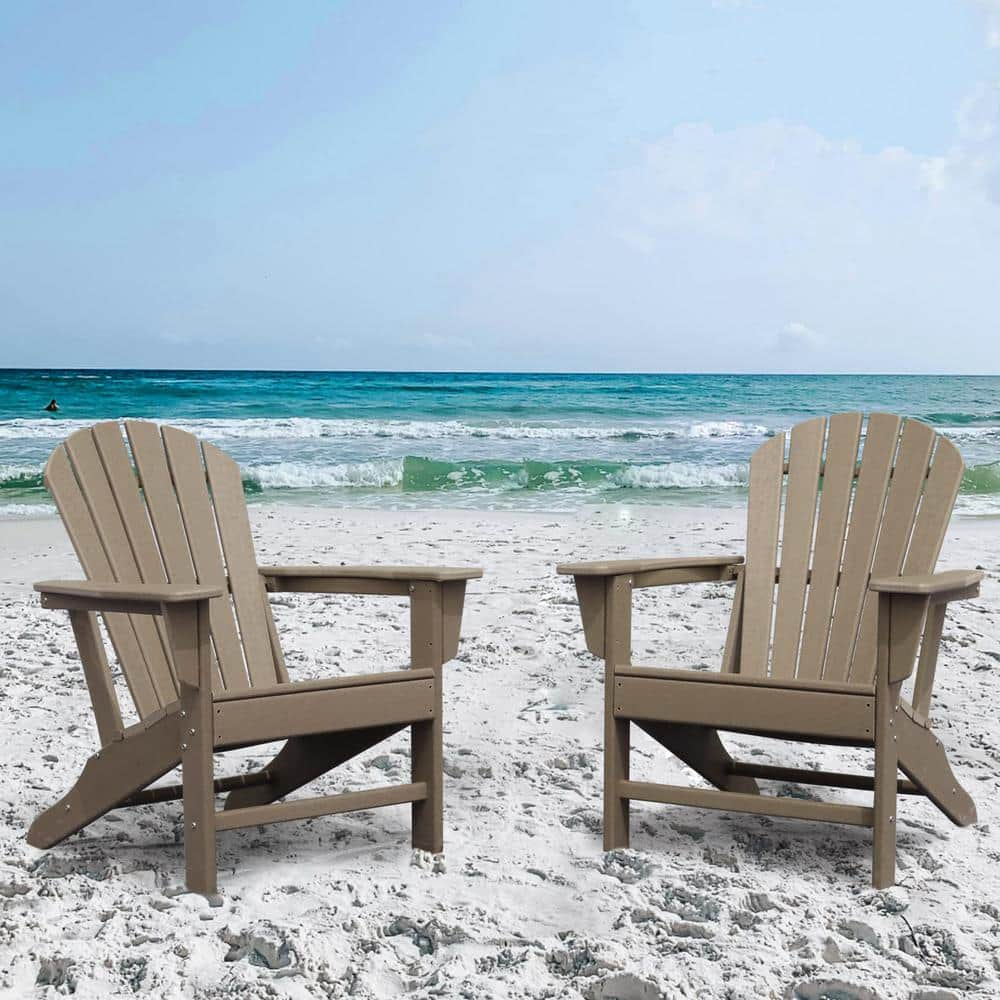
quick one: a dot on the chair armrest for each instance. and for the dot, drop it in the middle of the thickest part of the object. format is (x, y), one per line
(657, 572)
(905, 604)
(950, 585)
(133, 598)
(361, 579)
(436, 594)
(605, 587)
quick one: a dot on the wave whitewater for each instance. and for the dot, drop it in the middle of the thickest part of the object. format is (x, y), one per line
(413, 474)
(306, 428)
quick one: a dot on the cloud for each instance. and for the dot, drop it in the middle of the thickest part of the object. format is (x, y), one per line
(795, 338)
(974, 161)
(990, 12)
(431, 341)
(713, 233)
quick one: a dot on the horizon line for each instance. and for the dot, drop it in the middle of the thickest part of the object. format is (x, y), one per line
(486, 371)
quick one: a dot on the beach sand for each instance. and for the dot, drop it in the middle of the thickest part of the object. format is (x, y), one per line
(524, 902)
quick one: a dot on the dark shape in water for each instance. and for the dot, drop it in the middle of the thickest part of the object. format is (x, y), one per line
(52, 407)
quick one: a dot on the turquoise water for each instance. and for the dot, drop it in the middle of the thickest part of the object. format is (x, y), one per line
(484, 440)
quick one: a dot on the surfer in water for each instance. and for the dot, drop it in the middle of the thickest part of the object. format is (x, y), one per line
(53, 406)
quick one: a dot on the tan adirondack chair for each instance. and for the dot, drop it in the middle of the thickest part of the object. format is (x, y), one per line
(823, 633)
(170, 565)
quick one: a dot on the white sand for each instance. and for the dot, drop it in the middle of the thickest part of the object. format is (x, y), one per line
(525, 903)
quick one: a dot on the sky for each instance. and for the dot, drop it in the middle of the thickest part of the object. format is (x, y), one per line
(700, 185)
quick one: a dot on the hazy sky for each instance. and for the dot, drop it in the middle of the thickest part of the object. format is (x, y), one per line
(684, 185)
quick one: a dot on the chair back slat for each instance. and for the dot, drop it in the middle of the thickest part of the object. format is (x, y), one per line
(934, 515)
(61, 482)
(762, 552)
(882, 516)
(135, 518)
(842, 444)
(170, 538)
(877, 455)
(805, 455)
(166, 509)
(187, 472)
(249, 596)
(905, 487)
(734, 636)
(113, 532)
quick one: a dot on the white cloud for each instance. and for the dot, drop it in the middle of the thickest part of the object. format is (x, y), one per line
(990, 11)
(795, 337)
(714, 234)
(431, 341)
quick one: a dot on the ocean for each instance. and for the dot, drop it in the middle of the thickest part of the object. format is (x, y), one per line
(514, 441)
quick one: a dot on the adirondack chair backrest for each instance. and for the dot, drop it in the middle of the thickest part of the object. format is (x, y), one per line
(825, 523)
(171, 512)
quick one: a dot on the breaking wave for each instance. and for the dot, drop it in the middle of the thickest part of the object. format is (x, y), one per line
(414, 474)
(307, 428)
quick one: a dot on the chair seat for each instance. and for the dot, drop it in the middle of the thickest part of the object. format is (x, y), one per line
(714, 677)
(802, 710)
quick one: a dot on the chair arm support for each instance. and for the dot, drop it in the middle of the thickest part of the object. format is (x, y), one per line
(130, 598)
(436, 594)
(904, 603)
(604, 590)
(658, 572)
(184, 607)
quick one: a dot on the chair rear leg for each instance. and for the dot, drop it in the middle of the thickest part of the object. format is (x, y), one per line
(923, 760)
(702, 750)
(114, 773)
(427, 765)
(305, 758)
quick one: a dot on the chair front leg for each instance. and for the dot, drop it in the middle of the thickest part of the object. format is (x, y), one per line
(886, 767)
(895, 662)
(617, 732)
(188, 633)
(427, 649)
